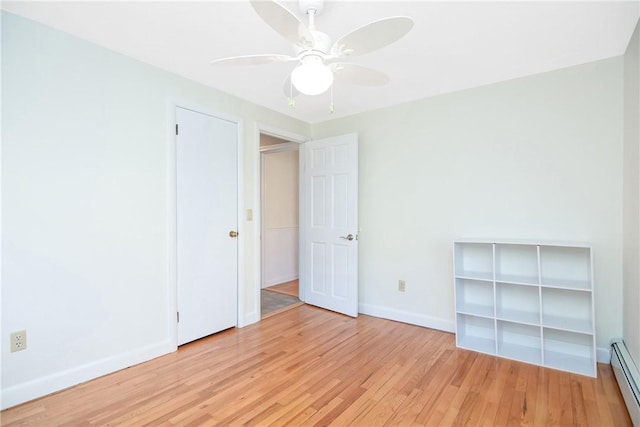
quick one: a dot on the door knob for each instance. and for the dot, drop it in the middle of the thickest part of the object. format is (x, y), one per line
(233, 233)
(347, 237)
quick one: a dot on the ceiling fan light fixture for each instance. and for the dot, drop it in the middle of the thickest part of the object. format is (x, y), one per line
(312, 77)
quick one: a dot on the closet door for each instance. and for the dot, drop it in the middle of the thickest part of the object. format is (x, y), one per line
(207, 246)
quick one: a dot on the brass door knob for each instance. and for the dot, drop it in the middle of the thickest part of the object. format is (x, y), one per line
(233, 233)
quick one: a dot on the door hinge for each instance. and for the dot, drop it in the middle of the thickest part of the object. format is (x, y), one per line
(178, 316)
(176, 128)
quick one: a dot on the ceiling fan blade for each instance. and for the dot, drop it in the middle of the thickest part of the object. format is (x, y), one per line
(289, 89)
(252, 60)
(372, 36)
(358, 75)
(283, 22)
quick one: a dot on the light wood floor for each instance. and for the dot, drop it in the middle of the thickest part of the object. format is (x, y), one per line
(287, 288)
(308, 366)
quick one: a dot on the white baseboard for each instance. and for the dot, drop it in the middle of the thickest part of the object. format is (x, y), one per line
(603, 354)
(282, 279)
(249, 319)
(20, 393)
(406, 317)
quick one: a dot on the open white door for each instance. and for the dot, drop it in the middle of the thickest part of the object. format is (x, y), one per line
(207, 211)
(329, 224)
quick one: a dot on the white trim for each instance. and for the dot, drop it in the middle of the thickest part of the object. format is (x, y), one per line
(279, 133)
(266, 129)
(171, 227)
(603, 355)
(257, 227)
(302, 212)
(2, 401)
(280, 279)
(20, 393)
(241, 321)
(263, 208)
(276, 148)
(407, 317)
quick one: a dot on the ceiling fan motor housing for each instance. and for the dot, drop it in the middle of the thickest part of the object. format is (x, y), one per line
(321, 44)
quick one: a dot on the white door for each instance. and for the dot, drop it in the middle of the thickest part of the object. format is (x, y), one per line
(207, 211)
(329, 270)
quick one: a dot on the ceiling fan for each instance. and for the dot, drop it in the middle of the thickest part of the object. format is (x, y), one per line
(319, 61)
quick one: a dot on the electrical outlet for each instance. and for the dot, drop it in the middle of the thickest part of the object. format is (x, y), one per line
(402, 285)
(18, 341)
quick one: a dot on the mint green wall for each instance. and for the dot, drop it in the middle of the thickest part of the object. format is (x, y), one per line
(533, 158)
(84, 205)
(631, 212)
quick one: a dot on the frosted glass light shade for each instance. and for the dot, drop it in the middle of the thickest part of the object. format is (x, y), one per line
(312, 77)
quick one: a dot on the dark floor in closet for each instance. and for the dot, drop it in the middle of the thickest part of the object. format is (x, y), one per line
(275, 301)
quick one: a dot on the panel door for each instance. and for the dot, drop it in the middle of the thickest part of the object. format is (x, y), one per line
(330, 224)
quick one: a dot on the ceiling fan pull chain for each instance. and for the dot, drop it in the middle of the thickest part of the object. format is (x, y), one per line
(291, 99)
(331, 104)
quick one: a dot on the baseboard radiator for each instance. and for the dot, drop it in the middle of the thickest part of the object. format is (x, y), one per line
(628, 379)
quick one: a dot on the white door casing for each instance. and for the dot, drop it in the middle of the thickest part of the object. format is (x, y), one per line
(329, 223)
(206, 199)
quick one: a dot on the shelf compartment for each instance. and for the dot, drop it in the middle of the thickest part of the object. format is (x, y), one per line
(519, 303)
(516, 264)
(565, 267)
(476, 333)
(567, 309)
(520, 342)
(474, 297)
(569, 351)
(474, 260)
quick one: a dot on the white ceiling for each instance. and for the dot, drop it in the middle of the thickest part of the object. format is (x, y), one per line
(453, 45)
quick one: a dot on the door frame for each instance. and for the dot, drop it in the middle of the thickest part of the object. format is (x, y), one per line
(171, 212)
(265, 129)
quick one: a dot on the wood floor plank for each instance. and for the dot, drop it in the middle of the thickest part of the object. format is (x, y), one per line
(517, 415)
(579, 412)
(493, 391)
(469, 409)
(287, 288)
(308, 366)
(530, 398)
(504, 406)
(435, 384)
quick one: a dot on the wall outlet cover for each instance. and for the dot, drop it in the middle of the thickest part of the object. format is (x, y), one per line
(18, 341)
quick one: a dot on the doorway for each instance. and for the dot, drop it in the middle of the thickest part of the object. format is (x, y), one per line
(279, 159)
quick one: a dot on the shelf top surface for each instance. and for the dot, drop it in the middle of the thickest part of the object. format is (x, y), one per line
(531, 242)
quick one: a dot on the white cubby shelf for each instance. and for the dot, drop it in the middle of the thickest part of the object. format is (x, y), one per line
(527, 301)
